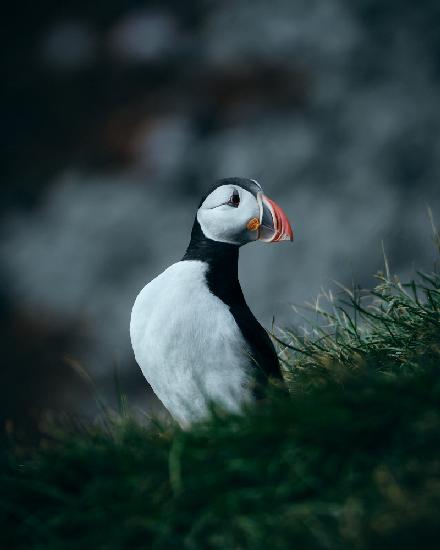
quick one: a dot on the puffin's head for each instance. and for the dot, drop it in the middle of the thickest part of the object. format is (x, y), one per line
(237, 212)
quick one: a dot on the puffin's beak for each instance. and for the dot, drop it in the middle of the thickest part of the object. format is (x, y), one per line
(274, 225)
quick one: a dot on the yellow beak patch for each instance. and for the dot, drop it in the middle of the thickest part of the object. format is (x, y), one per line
(253, 224)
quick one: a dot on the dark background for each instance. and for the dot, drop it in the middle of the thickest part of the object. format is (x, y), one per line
(116, 116)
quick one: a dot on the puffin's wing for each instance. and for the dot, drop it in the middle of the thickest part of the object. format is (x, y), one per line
(260, 345)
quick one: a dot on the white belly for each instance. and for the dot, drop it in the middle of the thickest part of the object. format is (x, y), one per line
(188, 345)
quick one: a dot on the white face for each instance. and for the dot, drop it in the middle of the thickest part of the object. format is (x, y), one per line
(225, 214)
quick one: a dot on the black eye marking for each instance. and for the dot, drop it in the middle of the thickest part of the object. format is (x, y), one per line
(234, 199)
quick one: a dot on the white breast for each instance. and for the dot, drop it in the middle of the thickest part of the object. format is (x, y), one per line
(188, 345)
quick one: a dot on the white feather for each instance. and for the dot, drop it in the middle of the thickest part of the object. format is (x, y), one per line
(188, 345)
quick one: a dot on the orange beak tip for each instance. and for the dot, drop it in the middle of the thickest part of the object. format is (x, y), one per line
(281, 225)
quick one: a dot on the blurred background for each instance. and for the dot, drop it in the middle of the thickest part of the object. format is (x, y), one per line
(117, 116)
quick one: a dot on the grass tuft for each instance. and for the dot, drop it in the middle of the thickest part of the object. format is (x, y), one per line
(347, 457)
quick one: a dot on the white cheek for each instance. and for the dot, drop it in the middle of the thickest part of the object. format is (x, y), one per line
(228, 224)
(217, 225)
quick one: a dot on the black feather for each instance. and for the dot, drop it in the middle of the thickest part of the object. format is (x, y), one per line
(222, 280)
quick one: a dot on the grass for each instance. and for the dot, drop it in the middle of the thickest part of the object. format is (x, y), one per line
(348, 457)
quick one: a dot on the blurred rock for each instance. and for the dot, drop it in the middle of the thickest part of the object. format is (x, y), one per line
(70, 45)
(144, 36)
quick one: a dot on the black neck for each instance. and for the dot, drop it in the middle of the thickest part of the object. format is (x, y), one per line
(222, 260)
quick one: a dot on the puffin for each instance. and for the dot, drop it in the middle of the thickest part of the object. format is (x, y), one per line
(193, 335)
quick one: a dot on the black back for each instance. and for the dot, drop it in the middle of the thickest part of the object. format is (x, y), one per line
(222, 280)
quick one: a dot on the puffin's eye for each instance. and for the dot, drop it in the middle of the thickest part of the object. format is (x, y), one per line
(234, 199)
